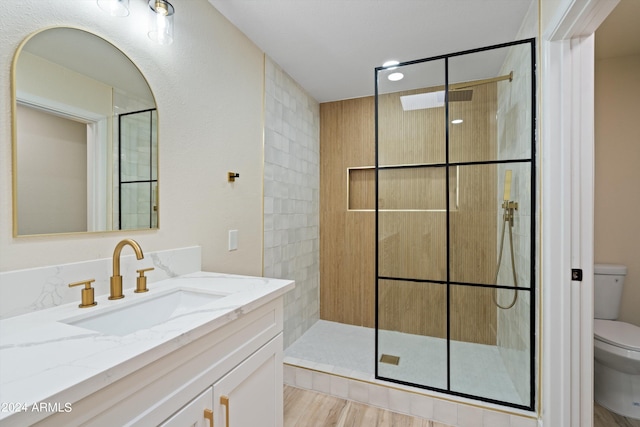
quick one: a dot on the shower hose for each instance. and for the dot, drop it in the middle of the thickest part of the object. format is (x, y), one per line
(508, 218)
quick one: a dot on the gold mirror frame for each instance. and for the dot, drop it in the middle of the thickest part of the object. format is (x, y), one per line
(118, 96)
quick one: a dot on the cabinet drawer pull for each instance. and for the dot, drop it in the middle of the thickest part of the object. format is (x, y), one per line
(208, 414)
(224, 400)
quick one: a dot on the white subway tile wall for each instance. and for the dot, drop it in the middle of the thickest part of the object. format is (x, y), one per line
(291, 196)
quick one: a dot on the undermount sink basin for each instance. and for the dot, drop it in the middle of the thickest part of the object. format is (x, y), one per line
(145, 313)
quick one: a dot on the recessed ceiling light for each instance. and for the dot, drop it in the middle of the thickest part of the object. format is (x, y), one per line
(390, 64)
(394, 77)
(457, 121)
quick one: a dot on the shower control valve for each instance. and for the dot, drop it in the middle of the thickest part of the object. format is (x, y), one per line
(509, 204)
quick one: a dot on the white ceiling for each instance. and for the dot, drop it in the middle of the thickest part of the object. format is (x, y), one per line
(331, 47)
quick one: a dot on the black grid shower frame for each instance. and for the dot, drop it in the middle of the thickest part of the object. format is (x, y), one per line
(448, 283)
(150, 181)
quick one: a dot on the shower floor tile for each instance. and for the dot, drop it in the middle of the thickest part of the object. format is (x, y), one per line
(349, 351)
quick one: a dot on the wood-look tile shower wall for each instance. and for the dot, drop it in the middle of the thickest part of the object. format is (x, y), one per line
(413, 229)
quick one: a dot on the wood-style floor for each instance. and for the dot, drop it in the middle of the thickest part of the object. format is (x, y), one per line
(604, 418)
(303, 408)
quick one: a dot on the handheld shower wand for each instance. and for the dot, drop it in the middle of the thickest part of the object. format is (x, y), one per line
(509, 207)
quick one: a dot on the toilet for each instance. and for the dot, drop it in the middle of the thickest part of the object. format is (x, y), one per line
(616, 346)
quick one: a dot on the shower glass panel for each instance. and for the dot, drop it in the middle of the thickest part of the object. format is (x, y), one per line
(494, 106)
(412, 245)
(413, 346)
(478, 229)
(455, 204)
(481, 355)
(137, 171)
(412, 130)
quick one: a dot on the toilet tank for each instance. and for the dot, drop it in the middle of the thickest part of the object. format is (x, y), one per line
(607, 290)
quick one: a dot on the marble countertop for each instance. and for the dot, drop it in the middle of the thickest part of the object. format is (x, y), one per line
(44, 360)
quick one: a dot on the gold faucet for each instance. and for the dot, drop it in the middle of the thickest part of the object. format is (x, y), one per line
(116, 279)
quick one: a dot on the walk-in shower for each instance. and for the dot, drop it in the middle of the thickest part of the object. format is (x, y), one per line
(455, 175)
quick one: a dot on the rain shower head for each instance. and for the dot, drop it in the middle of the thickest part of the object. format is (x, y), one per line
(457, 92)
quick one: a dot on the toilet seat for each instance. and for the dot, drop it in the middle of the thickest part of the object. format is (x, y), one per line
(616, 333)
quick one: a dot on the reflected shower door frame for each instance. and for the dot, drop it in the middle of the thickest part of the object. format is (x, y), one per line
(150, 212)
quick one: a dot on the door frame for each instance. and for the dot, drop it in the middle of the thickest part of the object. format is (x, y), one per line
(98, 179)
(567, 223)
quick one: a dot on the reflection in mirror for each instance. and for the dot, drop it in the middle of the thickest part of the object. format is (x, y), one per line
(85, 137)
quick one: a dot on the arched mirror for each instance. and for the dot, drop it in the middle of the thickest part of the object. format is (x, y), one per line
(85, 145)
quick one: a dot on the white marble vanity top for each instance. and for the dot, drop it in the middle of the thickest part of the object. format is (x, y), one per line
(44, 360)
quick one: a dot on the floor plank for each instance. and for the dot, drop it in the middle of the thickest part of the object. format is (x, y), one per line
(605, 418)
(311, 409)
(304, 408)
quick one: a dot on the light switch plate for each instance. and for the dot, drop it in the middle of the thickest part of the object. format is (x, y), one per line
(233, 240)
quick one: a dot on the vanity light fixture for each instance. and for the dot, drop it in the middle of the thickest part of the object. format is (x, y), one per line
(115, 7)
(161, 24)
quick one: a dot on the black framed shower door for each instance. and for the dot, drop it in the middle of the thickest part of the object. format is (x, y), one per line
(455, 222)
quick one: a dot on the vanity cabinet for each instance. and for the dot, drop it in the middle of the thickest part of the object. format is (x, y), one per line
(249, 395)
(234, 370)
(198, 413)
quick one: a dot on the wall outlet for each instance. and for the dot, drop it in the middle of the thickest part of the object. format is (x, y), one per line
(233, 240)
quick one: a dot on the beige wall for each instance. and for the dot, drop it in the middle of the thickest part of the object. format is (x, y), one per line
(617, 170)
(62, 86)
(53, 161)
(209, 89)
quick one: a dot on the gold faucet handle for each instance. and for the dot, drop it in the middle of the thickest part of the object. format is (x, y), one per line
(88, 299)
(141, 281)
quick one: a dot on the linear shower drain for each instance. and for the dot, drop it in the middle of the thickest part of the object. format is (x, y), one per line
(392, 360)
